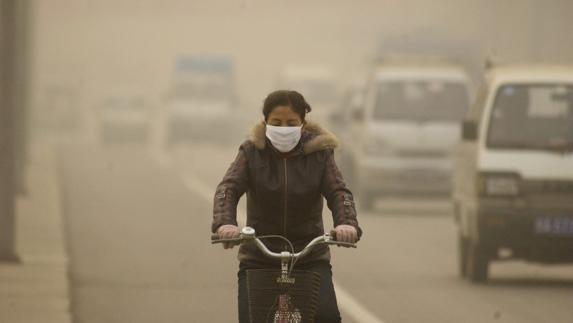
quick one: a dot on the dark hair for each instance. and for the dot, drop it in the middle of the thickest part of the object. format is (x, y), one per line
(289, 98)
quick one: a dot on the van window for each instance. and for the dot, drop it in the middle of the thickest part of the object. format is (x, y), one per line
(532, 116)
(430, 100)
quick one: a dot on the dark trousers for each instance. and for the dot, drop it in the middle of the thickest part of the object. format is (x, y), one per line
(327, 310)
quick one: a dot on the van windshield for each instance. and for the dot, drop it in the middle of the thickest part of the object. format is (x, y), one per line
(428, 100)
(532, 117)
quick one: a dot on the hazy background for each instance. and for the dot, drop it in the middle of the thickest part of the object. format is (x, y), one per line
(95, 45)
(112, 230)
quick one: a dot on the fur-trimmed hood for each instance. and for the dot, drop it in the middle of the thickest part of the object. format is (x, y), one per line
(314, 137)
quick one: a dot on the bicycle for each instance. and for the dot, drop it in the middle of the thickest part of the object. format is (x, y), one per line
(287, 296)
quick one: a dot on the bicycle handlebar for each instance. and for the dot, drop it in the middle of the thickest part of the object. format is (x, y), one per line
(248, 234)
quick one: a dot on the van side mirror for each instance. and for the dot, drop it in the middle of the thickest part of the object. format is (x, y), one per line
(469, 130)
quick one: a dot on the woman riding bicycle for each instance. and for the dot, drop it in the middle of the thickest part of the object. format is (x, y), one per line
(286, 167)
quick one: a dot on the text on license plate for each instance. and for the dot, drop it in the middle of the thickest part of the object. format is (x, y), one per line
(554, 225)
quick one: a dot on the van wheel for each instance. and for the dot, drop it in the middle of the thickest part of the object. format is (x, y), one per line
(462, 255)
(477, 262)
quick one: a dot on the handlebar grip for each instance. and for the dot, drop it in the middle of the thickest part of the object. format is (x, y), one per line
(236, 241)
(344, 244)
(216, 238)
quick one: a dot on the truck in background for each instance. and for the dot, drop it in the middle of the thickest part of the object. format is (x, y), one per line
(201, 99)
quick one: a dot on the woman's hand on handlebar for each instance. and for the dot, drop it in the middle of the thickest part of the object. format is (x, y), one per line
(345, 233)
(228, 231)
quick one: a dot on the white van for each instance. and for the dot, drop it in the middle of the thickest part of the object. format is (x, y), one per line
(513, 180)
(403, 136)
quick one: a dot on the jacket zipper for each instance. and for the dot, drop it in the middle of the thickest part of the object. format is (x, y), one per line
(285, 197)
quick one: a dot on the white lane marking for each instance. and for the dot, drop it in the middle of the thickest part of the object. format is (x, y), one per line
(352, 307)
(196, 185)
(348, 304)
(191, 182)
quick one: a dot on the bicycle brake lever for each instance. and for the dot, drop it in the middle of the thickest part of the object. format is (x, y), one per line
(330, 238)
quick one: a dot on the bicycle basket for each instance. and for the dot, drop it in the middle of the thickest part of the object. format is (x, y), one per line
(267, 298)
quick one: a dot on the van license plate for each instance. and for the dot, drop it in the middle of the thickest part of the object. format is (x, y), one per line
(554, 225)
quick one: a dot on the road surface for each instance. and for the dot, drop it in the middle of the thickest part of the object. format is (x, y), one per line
(137, 226)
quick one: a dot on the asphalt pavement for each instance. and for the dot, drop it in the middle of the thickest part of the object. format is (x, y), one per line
(137, 224)
(139, 243)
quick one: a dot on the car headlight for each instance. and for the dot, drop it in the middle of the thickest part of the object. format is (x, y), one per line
(499, 184)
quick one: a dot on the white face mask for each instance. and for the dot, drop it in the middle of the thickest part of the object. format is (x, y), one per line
(284, 139)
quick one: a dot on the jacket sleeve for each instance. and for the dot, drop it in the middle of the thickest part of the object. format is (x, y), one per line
(230, 190)
(338, 197)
